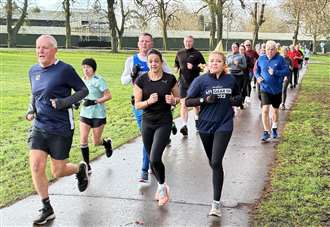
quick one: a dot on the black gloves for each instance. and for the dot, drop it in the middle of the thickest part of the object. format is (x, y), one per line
(135, 72)
(211, 98)
(88, 102)
(76, 105)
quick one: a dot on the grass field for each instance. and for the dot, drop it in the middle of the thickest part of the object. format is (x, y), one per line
(299, 194)
(15, 177)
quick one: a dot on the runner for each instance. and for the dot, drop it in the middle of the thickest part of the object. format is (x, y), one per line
(216, 93)
(135, 66)
(187, 62)
(92, 113)
(50, 109)
(270, 71)
(287, 78)
(155, 92)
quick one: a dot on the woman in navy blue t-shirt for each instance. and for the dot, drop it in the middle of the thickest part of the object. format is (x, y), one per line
(216, 92)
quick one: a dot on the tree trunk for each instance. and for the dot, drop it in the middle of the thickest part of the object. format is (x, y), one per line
(257, 22)
(295, 34)
(314, 44)
(219, 22)
(66, 7)
(213, 26)
(165, 37)
(12, 31)
(112, 26)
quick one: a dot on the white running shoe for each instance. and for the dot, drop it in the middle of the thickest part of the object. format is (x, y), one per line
(215, 210)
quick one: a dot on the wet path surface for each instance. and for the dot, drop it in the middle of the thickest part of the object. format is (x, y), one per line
(116, 198)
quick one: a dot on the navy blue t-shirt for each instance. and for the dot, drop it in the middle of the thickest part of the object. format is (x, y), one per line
(54, 81)
(216, 117)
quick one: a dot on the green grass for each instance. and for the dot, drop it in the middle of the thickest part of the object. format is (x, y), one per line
(15, 177)
(299, 194)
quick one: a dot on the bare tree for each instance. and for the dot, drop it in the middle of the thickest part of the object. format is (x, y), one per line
(316, 21)
(13, 29)
(124, 16)
(164, 10)
(67, 13)
(112, 25)
(294, 8)
(257, 20)
(216, 9)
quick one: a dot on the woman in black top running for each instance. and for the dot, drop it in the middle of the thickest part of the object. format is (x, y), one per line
(155, 92)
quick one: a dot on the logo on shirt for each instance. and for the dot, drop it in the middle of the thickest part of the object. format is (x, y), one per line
(164, 81)
(38, 77)
(221, 92)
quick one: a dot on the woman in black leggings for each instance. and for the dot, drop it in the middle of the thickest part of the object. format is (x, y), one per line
(216, 92)
(155, 92)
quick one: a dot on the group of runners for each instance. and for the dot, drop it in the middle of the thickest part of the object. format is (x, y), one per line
(222, 89)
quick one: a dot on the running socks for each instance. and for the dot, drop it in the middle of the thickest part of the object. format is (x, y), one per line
(46, 202)
(85, 152)
(274, 125)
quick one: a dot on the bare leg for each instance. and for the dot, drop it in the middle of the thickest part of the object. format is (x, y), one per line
(61, 168)
(97, 135)
(265, 117)
(183, 111)
(38, 161)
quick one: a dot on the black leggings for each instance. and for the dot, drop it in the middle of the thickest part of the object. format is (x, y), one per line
(284, 89)
(215, 146)
(155, 138)
(295, 76)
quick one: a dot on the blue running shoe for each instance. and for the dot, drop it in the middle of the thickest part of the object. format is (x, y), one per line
(274, 133)
(265, 137)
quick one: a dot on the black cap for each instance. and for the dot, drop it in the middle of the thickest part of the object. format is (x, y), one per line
(89, 61)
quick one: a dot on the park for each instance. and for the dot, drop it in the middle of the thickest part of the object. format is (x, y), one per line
(293, 188)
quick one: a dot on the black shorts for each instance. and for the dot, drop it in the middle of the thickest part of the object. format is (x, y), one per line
(57, 146)
(306, 58)
(94, 122)
(270, 99)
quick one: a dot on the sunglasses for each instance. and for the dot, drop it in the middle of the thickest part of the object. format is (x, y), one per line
(247, 44)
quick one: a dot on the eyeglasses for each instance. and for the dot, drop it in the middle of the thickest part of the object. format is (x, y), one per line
(248, 45)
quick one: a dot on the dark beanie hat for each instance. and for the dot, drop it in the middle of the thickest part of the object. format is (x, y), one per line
(89, 61)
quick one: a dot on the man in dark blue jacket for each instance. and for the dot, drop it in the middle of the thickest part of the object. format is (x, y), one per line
(270, 71)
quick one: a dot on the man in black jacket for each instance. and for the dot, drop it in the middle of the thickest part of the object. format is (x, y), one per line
(187, 61)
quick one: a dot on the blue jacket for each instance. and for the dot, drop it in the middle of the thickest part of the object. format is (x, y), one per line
(272, 84)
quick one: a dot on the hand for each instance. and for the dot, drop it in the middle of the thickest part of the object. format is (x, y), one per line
(211, 98)
(285, 78)
(260, 79)
(88, 102)
(189, 66)
(29, 117)
(153, 98)
(236, 62)
(270, 71)
(170, 100)
(135, 71)
(53, 103)
(76, 105)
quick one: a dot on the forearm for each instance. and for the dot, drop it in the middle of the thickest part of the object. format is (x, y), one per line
(192, 102)
(141, 104)
(70, 100)
(31, 108)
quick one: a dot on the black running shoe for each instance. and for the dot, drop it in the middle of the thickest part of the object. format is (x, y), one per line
(108, 147)
(82, 176)
(89, 169)
(184, 131)
(174, 129)
(46, 214)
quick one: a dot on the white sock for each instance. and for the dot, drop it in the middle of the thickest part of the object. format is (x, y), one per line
(274, 125)
(161, 186)
(216, 202)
